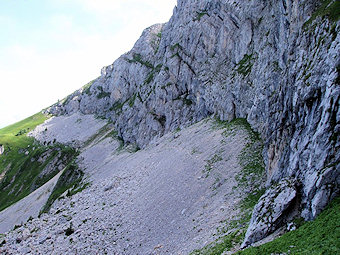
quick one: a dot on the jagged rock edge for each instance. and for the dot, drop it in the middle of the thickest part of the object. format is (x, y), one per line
(277, 73)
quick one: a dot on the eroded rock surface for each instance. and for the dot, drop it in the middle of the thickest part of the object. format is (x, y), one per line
(256, 60)
(271, 211)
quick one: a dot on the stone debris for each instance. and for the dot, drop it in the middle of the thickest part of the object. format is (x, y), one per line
(147, 202)
(27, 207)
(73, 130)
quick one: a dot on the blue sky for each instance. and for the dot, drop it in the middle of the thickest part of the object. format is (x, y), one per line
(49, 48)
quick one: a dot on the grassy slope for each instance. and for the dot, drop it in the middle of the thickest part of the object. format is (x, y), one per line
(23, 171)
(14, 137)
(321, 236)
(20, 160)
(16, 163)
(70, 181)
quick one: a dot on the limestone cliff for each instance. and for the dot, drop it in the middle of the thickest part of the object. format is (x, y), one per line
(275, 63)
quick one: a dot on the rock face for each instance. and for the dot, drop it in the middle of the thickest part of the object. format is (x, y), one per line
(2, 149)
(267, 61)
(271, 210)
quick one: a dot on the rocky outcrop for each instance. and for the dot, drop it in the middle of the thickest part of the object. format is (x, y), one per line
(275, 63)
(2, 149)
(271, 211)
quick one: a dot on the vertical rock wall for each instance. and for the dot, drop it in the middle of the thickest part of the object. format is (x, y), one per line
(256, 60)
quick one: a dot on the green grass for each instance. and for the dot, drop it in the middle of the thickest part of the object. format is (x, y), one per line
(235, 125)
(117, 107)
(200, 14)
(102, 93)
(24, 176)
(176, 46)
(137, 58)
(132, 100)
(151, 75)
(245, 65)
(70, 180)
(20, 165)
(250, 158)
(328, 8)
(87, 87)
(321, 236)
(101, 132)
(149, 78)
(252, 175)
(13, 137)
(224, 243)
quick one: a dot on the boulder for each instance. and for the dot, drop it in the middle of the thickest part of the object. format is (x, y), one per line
(271, 211)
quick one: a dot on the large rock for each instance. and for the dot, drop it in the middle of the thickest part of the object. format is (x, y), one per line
(271, 211)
